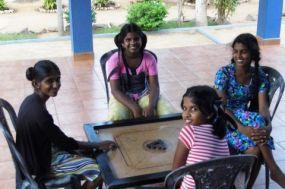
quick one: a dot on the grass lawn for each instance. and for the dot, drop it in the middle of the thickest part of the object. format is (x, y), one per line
(113, 29)
(166, 25)
(175, 24)
(16, 36)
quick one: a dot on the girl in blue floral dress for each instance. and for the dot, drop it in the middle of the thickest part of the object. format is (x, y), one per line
(241, 85)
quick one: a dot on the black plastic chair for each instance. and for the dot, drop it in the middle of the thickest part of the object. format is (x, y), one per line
(28, 182)
(104, 58)
(24, 180)
(276, 82)
(217, 173)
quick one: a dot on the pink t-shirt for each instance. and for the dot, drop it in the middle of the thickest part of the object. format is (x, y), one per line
(203, 145)
(148, 65)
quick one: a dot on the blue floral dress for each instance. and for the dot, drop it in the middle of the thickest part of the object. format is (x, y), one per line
(238, 98)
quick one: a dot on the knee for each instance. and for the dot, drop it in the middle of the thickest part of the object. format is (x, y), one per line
(254, 151)
(164, 107)
(115, 115)
(118, 111)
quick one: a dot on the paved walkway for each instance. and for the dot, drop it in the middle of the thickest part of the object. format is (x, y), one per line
(61, 46)
(185, 59)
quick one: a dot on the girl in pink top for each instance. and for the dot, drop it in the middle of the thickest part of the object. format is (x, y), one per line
(133, 77)
(202, 137)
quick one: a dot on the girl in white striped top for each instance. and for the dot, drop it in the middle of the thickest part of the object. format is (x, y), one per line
(202, 137)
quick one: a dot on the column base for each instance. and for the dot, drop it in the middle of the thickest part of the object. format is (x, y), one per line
(261, 41)
(83, 56)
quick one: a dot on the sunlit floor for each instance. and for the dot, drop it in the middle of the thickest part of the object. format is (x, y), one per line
(82, 96)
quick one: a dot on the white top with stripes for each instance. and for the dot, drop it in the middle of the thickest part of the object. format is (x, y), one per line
(203, 145)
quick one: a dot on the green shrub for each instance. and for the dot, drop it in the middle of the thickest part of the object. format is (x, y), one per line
(225, 8)
(2, 5)
(49, 4)
(67, 17)
(101, 3)
(148, 14)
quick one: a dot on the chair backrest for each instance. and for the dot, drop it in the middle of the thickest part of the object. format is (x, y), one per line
(4, 105)
(104, 58)
(23, 179)
(216, 173)
(276, 82)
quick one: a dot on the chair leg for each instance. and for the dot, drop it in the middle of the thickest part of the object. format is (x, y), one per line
(74, 184)
(267, 179)
(100, 184)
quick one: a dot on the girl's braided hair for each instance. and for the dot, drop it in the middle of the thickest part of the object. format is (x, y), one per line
(251, 44)
(209, 103)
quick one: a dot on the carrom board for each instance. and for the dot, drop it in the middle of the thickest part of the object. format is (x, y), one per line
(132, 163)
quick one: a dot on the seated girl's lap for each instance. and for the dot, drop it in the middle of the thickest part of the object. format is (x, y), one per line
(64, 163)
(241, 142)
(117, 111)
(162, 107)
(248, 118)
(62, 157)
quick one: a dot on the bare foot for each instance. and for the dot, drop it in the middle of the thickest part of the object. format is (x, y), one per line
(278, 176)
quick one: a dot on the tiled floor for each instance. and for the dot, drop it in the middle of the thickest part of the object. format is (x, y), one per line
(82, 95)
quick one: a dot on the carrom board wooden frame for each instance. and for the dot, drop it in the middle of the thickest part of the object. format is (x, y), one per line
(110, 179)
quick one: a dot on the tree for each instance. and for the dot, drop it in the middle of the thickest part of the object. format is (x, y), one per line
(59, 17)
(180, 13)
(2, 5)
(49, 4)
(201, 12)
(225, 8)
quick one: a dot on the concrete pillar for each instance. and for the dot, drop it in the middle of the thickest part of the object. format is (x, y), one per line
(59, 17)
(269, 21)
(81, 26)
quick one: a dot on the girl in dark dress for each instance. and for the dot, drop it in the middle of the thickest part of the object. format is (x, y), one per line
(44, 147)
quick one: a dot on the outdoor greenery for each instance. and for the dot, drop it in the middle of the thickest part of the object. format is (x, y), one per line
(49, 4)
(2, 5)
(175, 24)
(67, 16)
(165, 25)
(101, 3)
(225, 8)
(191, 1)
(17, 36)
(148, 14)
(113, 29)
(212, 22)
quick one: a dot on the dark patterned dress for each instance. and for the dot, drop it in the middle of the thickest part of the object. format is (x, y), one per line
(238, 98)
